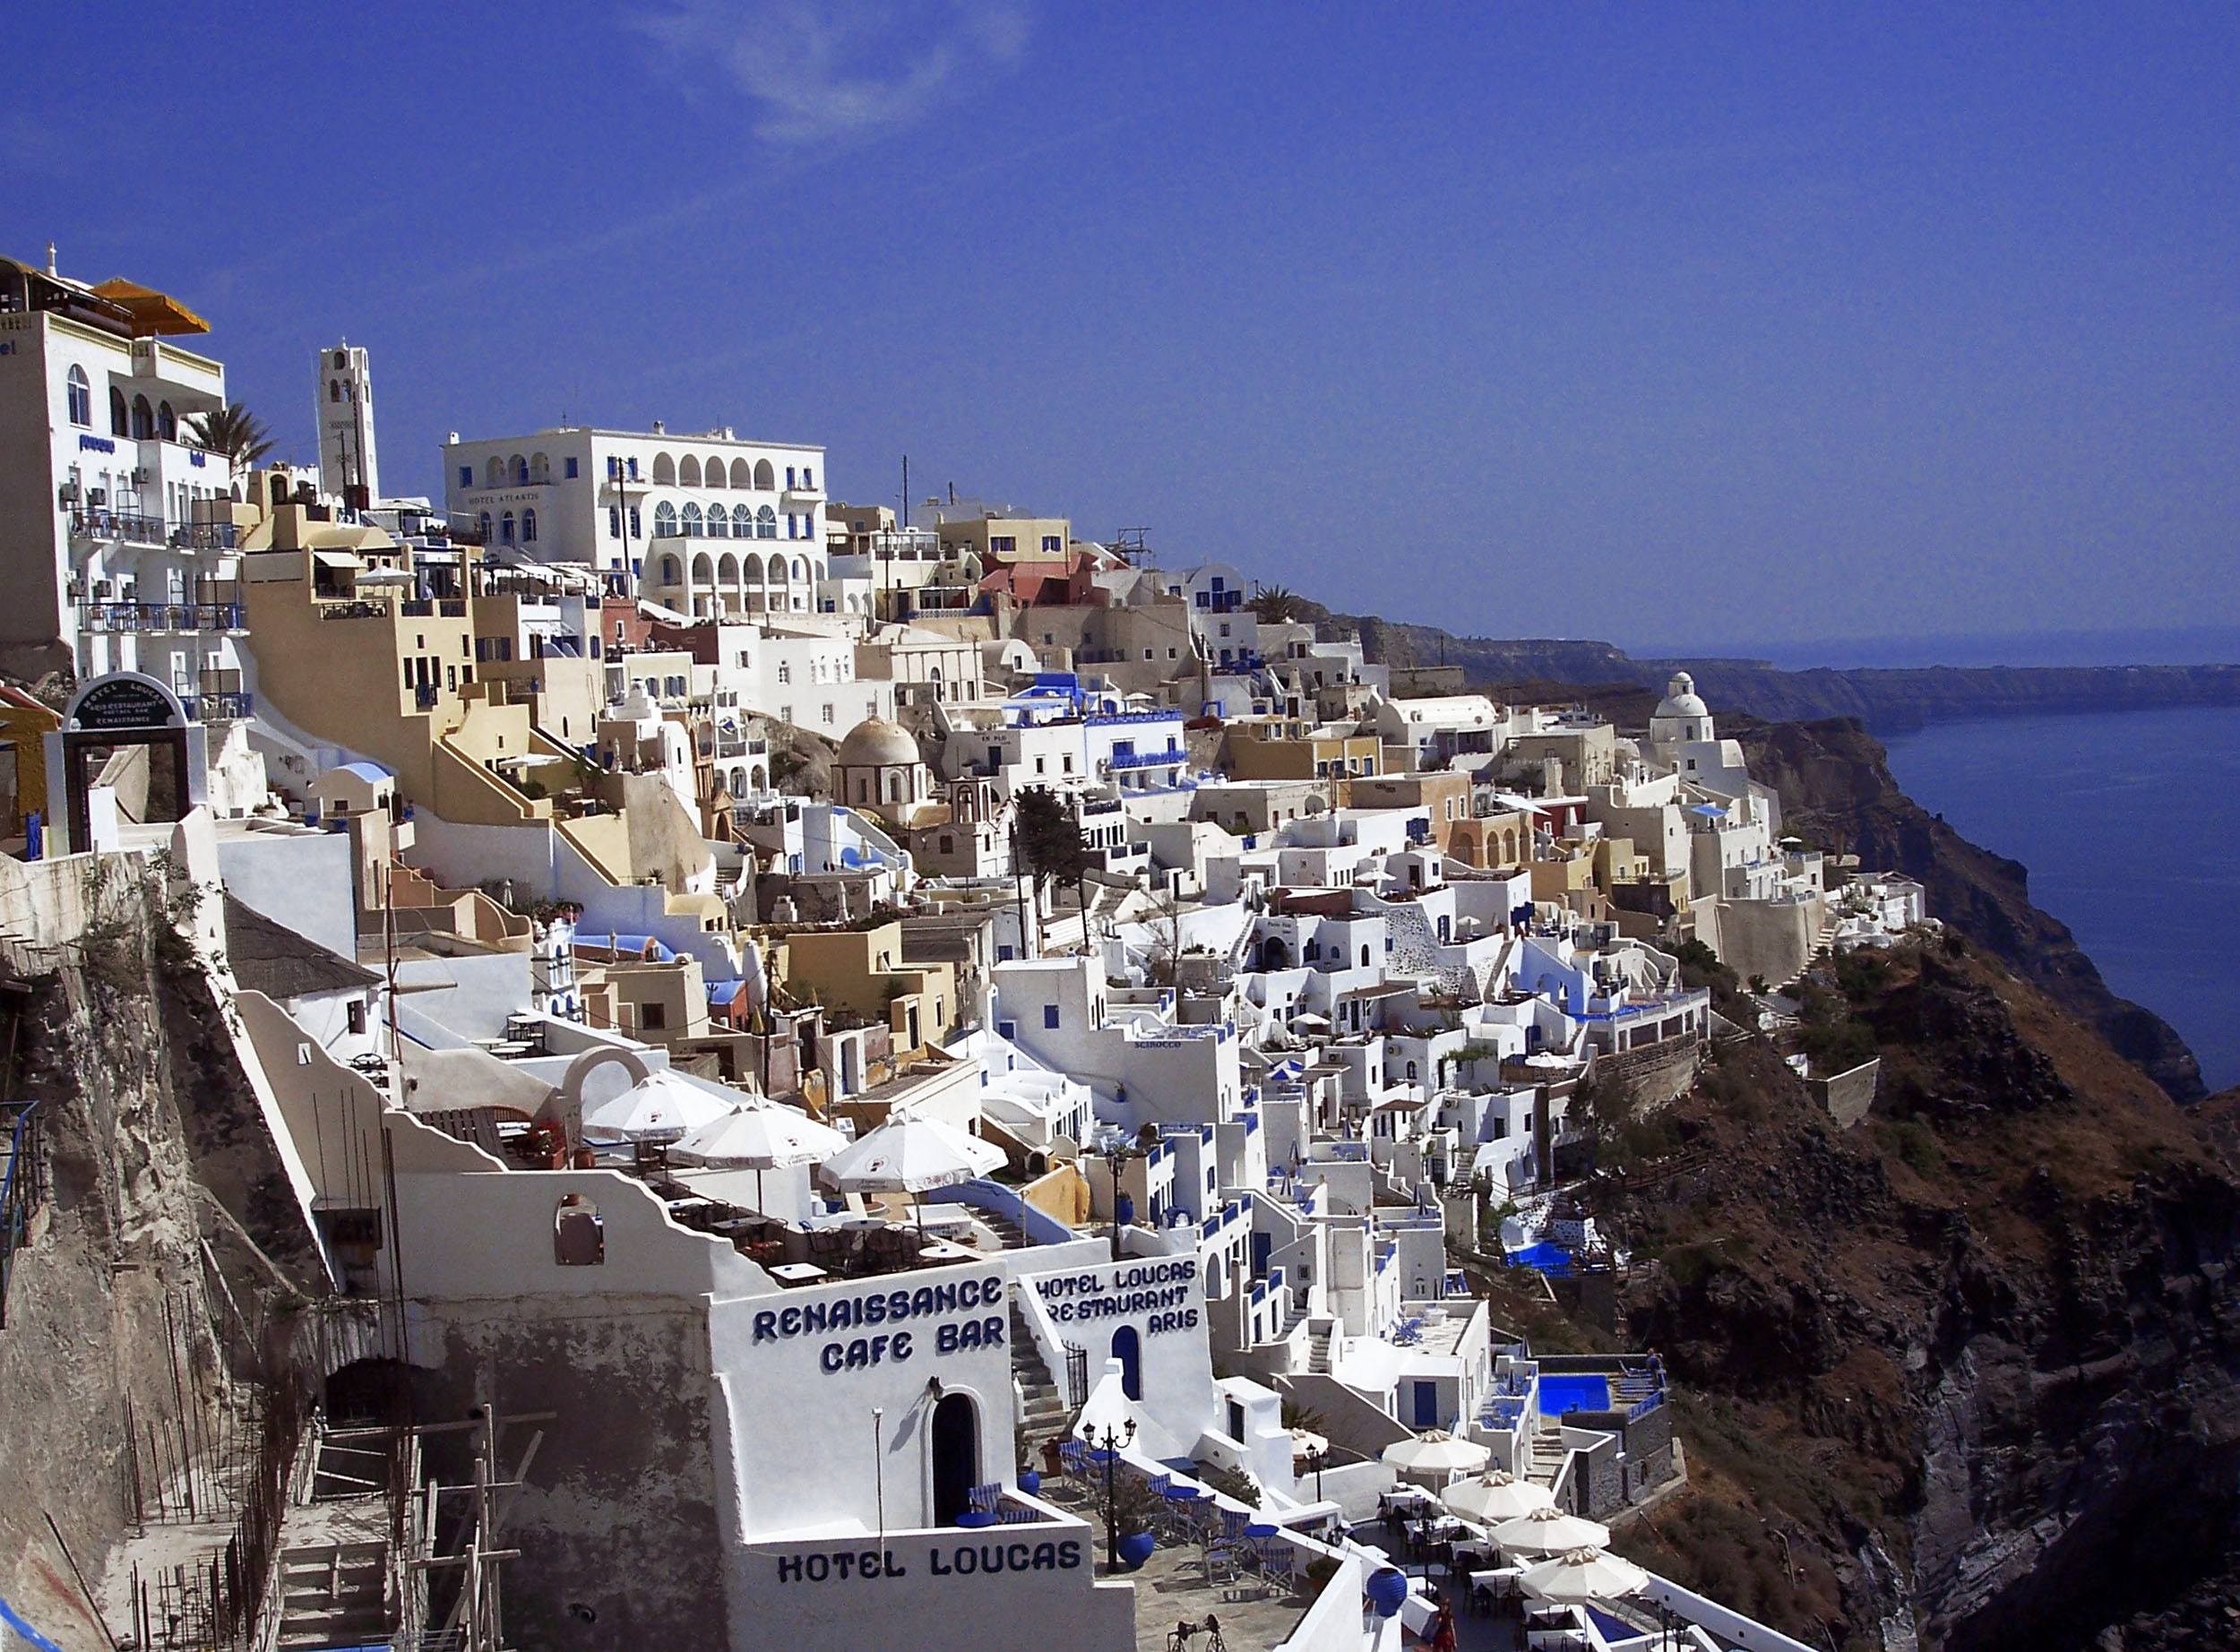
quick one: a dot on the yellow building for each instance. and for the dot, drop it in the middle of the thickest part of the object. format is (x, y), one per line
(1306, 754)
(861, 971)
(996, 540)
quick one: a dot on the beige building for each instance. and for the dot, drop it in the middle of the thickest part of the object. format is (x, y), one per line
(862, 972)
(1264, 753)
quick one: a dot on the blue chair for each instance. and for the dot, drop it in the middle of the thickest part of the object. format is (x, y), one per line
(980, 1505)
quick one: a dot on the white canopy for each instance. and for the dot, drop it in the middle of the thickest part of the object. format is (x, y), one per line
(911, 1155)
(1496, 1496)
(767, 1137)
(661, 1108)
(1437, 1453)
(1549, 1531)
(1583, 1575)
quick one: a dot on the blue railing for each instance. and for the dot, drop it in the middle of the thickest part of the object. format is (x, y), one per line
(1149, 760)
(230, 706)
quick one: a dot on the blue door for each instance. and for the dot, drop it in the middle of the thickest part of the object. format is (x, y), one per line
(1127, 1347)
(1262, 1245)
(1426, 1405)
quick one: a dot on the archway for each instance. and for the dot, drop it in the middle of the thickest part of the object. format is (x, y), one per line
(954, 1444)
(105, 721)
(1127, 1347)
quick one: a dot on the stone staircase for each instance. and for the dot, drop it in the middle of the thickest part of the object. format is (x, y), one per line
(1318, 1352)
(1044, 1414)
(1011, 1233)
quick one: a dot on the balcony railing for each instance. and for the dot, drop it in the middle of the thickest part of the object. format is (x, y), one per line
(1149, 760)
(230, 706)
(144, 617)
(130, 527)
(423, 696)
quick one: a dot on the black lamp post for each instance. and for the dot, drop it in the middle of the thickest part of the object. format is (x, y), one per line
(1315, 1459)
(1115, 1155)
(1108, 1445)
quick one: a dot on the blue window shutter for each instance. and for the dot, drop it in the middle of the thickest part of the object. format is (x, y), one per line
(466, 476)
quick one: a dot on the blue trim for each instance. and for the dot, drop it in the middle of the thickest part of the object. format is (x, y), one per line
(8, 1616)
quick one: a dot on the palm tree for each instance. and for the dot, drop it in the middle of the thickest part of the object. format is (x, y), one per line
(233, 431)
(1278, 603)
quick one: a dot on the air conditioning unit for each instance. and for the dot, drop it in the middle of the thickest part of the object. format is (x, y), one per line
(104, 591)
(97, 496)
(141, 473)
(69, 490)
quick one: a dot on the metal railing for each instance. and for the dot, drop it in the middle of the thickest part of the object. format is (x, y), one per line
(125, 525)
(219, 706)
(22, 1188)
(144, 616)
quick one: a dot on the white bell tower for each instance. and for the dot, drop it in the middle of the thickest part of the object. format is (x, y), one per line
(347, 459)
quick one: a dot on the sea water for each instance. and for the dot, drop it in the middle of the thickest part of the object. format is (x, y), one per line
(2130, 824)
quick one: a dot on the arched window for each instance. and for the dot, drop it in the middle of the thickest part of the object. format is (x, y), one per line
(79, 393)
(766, 519)
(505, 528)
(120, 421)
(894, 785)
(579, 1238)
(743, 519)
(518, 468)
(727, 564)
(494, 473)
(1411, 1072)
(688, 473)
(742, 474)
(703, 572)
(764, 476)
(801, 569)
(664, 470)
(671, 573)
(484, 520)
(777, 571)
(714, 473)
(539, 467)
(664, 520)
(144, 419)
(719, 524)
(167, 422)
(692, 521)
(751, 570)
(529, 527)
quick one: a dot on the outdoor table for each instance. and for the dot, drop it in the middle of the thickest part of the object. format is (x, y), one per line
(797, 1273)
(942, 1251)
(1257, 1534)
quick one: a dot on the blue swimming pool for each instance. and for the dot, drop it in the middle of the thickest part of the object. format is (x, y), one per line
(1561, 1396)
(1549, 1258)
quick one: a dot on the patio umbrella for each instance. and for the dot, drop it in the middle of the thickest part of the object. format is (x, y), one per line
(1549, 1531)
(765, 1137)
(1436, 1452)
(661, 1108)
(1582, 1575)
(1496, 1496)
(911, 1155)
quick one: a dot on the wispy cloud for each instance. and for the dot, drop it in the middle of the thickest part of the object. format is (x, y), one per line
(818, 72)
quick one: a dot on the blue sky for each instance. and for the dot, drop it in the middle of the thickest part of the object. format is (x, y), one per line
(1677, 325)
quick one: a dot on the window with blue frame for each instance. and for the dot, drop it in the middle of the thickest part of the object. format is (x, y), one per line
(637, 529)
(1049, 1015)
(80, 394)
(789, 475)
(571, 472)
(808, 477)
(466, 476)
(613, 521)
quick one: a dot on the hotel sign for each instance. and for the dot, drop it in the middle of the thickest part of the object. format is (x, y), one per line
(124, 703)
(1163, 1293)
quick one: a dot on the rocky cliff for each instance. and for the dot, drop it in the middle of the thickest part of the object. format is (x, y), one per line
(1837, 790)
(1971, 1369)
(1888, 701)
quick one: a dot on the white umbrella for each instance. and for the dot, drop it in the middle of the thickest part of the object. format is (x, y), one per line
(911, 1155)
(1436, 1452)
(1549, 1531)
(765, 1137)
(1582, 1575)
(661, 1108)
(1496, 1496)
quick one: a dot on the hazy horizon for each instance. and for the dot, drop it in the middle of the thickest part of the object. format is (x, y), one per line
(1625, 323)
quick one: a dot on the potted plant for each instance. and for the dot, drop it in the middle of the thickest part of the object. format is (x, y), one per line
(1132, 1517)
(1027, 1479)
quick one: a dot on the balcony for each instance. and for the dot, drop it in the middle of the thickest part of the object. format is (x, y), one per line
(228, 706)
(121, 526)
(164, 616)
(1149, 760)
(425, 696)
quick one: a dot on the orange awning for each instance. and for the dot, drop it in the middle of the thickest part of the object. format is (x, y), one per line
(151, 311)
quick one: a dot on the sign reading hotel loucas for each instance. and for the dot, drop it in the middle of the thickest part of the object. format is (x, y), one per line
(1161, 1293)
(891, 1325)
(947, 1560)
(121, 703)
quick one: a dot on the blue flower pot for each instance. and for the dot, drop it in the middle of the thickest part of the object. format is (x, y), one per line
(1136, 1548)
(1387, 1588)
(1124, 1209)
(1029, 1482)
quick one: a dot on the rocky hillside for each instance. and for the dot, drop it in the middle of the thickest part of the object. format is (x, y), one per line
(1967, 1376)
(1837, 790)
(1888, 700)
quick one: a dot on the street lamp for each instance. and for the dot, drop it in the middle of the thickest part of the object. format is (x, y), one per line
(1107, 1448)
(1315, 1459)
(1116, 1153)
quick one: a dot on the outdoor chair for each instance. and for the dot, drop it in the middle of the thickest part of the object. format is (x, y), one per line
(980, 1505)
